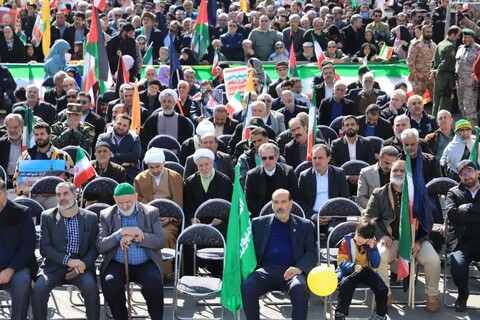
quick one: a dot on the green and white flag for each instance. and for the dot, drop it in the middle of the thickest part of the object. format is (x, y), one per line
(148, 57)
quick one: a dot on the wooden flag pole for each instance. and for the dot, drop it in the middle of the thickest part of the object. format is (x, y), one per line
(411, 285)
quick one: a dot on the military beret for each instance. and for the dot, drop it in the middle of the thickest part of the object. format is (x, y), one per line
(468, 32)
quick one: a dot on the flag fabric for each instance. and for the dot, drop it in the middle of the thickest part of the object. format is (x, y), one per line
(386, 52)
(201, 40)
(421, 201)
(136, 114)
(292, 66)
(212, 12)
(99, 4)
(46, 19)
(248, 110)
(426, 97)
(240, 259)
(176, 73)
(312, 126)
(215, 63)
(148, 57)
(95, 62)
(244, 6)
(122, 74)
(83, 170)
(235, 103)
(406, 220)
(28, 139)
(1, 2)
(474, 153)
(354, 4)
(20, 3)
(318, 51)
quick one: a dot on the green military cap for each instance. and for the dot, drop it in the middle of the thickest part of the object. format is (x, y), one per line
(74, 108)
(468, 32)
(256, 122)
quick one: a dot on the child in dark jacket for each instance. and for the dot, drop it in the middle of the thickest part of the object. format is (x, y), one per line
(358, 260)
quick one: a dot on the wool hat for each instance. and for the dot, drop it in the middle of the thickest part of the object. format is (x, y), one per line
(154, 155)
(103, 144)
(462, 124)
(203, 153)
(124, 189)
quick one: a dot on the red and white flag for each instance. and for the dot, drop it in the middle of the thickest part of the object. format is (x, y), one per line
(83, 169)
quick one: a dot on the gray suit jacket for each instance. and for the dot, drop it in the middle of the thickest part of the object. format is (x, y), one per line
(148, 221)
(53, 241)
(277, 121)
(368, 180)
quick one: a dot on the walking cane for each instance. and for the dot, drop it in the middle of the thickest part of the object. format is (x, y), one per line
(127, 281)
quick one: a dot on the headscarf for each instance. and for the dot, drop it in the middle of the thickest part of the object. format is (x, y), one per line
(162, 74)
(279, 57)
(78, 76)
(58, 50)
(261, 74)
(190, 59)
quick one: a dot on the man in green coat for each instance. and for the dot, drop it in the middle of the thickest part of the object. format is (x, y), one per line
(443, 71)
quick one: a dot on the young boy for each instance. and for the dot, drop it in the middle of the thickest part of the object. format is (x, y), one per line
(358, 258)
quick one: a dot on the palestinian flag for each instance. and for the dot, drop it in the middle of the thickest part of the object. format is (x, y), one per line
(95, 60)
(201, 40)
(312, 126)
(235, 103)
(28, 139)
(406, 221)
(148, 57)
(99, 4)
(215, 63)
(83, 170)
(386, 52)
(292, 66)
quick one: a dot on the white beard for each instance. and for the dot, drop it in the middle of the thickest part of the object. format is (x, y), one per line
(127, 213)
(396, 181)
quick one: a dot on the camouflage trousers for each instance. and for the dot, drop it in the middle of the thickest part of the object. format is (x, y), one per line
(419, 86)
(467, 92)
(442, 96)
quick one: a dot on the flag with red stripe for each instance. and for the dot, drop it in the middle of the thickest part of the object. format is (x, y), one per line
(83, 170)
(406, 221)
(312, 126)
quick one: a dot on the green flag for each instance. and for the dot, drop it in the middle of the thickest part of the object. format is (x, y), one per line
(201, 38)
(474, 154)
(240, 258)
(148, 57)
(406, 220)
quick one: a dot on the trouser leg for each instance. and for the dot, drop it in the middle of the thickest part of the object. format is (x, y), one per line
(149, 278)
(299, 294)
(113, 286)
(388, 255)
(87, 283)
(378, 287)
(346, 289)
(19, 287)
(45, 283)
(430, 261)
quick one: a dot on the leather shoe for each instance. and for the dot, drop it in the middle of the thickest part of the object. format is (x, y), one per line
(432, 304)
(389, 300)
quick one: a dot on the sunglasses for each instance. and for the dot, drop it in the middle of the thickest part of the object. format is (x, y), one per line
(70, 97)
(268, 158)
(83, 101)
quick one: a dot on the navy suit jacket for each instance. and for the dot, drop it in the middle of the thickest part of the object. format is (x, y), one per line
(303, 243)
(383, 129)
(325, 110)
(363, 147)
(307, 186)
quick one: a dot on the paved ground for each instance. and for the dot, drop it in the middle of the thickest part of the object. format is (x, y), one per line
(61, 308)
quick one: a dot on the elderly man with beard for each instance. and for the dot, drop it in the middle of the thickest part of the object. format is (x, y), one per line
(68, 237)
(396, 106)
(136, 228)
(384, 205)
(290, 110)
(41, 109)
(419, 118)
(458, 149)
(285, 250)
(150, 96)
(166, 121)
(401, 123)
(365, 96)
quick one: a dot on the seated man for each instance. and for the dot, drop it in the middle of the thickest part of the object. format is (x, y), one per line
(462, 209)
(68, 241)
(387, 212)
(136, 227)
(17, 261)
(285, 250)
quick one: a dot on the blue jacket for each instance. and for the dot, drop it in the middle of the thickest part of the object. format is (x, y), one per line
(347, 253)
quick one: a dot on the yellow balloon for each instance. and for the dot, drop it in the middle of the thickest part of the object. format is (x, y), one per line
(322, 281)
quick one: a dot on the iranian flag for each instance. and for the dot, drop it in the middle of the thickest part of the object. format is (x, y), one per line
(386, 52)
(215, 63)
(235, 103)
(148, 57)
(20, 3)
(248, 111)
(312, 126)
(83, 169)
(292, 66)
(201, 40)
(406, 221)
(100, 4)
(318, 51)
(95, 59)
(28, 139)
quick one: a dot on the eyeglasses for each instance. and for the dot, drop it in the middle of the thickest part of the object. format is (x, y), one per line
(462, 174)
(71, 97)
(268, 158)
(83, 101)
(118, 16)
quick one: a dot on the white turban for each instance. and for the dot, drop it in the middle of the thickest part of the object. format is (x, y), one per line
(206, 126)
(203, 153)
(128, 60)
(154, 155)
(168, 92)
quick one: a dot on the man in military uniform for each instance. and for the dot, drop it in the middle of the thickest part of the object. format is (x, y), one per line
(443, 71)
(419, 61)
(466, 56)
(72, 132)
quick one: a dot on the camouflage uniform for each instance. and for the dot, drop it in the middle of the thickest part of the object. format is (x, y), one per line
(444, 64)
(419, 60)
(466, 85)
(84, 137)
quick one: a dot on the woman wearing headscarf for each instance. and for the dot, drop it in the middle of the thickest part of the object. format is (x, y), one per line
(280, 54)
(187, 58)
(164, 74)
(367, 52)
(401, 42)
(12, 49)
(163, 56)
(55, 60)
(261, 74)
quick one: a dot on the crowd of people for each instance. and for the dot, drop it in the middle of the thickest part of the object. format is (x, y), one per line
(443, 65)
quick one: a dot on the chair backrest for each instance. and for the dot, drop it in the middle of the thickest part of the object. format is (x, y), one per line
(36, 208)
(99, 186)
(225, 138)
(175, 166)
(72, 152)
(339, 207)
(169, 209)
(302, 166)
(296, 209)
(3, 174)
(192, 125)
(97, 207)
(336, 235)
(376, 143)
(440, 186)
(45, 185)
(328, 133)
(170, 156)
(353, 167)
(213, 208)
(202, 235)
(164, 141)
(337, 124)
